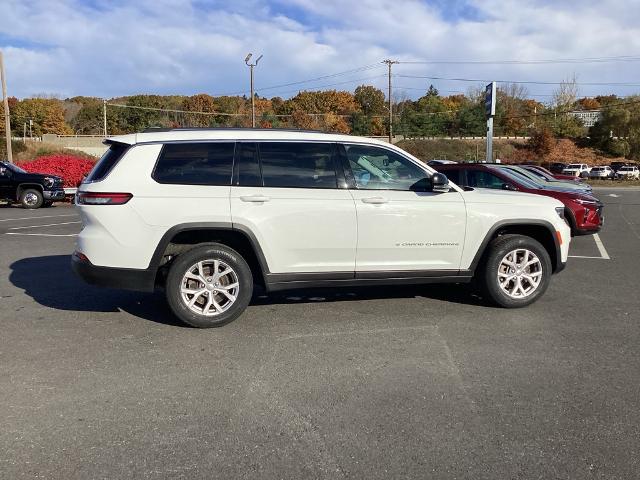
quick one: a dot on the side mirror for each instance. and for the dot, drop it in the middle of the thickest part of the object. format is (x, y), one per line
(439, 183)
(508, 186)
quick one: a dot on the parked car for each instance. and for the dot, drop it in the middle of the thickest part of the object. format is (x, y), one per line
(431, 163)
(602, 172)
(583, 211)
(557, 167)
(206, 213)
(615, 166)
(577, 170)
(557, 176)
(551, 182)
(31, 190)
(628, 172)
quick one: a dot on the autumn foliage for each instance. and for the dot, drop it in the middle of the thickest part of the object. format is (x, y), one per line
(71, 168)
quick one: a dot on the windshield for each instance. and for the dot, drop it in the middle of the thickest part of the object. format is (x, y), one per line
(522, 174)
(13, 168)
(520, 179)
(541, 173)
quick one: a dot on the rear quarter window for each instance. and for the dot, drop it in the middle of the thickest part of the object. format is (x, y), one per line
(106, 163)
(195, 164)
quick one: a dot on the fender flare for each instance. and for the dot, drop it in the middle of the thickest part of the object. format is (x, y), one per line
(518, 223)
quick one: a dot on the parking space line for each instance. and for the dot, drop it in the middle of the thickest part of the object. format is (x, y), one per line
(44, 234)
(39, 226)
(603, 251)
(35, 218)
(600, 245)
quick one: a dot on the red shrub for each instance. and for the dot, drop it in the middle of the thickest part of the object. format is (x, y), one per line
(72, 169)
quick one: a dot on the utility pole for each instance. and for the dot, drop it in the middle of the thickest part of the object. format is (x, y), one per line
(7, 119)
(104, 116)
(389, 63)
(253, 100)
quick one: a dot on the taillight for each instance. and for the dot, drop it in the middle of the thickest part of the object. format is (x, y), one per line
(102, 198)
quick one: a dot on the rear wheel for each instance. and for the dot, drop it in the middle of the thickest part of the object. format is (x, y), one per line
(31, 198)
(517, 271)
(209, 286)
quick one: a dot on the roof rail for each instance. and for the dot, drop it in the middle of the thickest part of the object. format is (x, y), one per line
(216, 129)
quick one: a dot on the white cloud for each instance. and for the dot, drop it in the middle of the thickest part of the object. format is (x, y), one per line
(176, 46)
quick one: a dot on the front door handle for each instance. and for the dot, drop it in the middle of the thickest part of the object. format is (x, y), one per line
(375, 200)
(254, 198)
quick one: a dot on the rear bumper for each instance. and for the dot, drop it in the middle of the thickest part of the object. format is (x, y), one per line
(120, 278)
(53, 194)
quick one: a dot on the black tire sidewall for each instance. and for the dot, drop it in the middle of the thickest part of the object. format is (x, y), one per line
(499, 248)
(206, 252)
(31, 190)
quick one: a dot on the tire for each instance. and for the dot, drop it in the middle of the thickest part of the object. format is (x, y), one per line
(207, 298)
(495, 270)
(31, 198)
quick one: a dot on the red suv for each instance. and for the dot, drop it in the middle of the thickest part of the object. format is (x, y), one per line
(582, 211)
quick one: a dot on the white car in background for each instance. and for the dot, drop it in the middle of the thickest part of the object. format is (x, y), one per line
(577, 170)
(601, 172)
(628, 172)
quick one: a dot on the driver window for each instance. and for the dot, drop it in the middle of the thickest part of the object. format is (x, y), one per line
(376, 168)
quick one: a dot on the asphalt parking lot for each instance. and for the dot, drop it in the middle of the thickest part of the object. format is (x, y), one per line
(406, 382)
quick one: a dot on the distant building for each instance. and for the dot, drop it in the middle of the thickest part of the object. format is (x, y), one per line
(588, 117)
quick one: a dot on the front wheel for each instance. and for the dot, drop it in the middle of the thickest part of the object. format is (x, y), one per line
(517, 271)
(209, 286)
(31, 198)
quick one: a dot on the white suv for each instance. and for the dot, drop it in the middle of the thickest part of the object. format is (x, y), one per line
(207, 214)
(628, 172)
(577, 170)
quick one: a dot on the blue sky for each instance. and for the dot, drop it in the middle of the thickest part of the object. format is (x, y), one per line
(110, 48)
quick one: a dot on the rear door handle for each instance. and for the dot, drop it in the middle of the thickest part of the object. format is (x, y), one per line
(375, 200)
(254, 198)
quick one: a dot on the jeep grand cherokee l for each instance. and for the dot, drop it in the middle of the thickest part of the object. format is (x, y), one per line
(207, 214)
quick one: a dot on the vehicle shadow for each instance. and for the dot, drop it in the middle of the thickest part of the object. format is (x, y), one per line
(50, 281)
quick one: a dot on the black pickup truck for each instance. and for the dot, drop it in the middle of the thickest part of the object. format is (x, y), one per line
(32, 190)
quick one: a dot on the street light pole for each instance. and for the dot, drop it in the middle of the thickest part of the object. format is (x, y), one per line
(253, 100)
(7, 119)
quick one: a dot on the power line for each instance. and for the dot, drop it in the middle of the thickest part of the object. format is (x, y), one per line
(331, 84)
(530, 82)
(621, 58)
(309, 80)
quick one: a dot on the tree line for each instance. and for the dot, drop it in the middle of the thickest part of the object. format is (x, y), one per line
(362, 112)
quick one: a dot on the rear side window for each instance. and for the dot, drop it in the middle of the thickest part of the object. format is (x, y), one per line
(195, 164)
(106, 163)
(298, 165)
